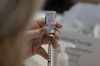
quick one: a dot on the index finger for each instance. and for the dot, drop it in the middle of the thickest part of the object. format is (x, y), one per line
(42, 23)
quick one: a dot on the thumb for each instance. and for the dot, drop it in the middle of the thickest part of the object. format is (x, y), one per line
(37, 33)
(42, 52)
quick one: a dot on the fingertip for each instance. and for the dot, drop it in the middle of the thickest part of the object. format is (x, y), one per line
(57, 35)
(54, 44)
(41, 22)
(59, 25)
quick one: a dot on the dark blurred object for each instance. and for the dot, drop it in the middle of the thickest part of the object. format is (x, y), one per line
(59, 5)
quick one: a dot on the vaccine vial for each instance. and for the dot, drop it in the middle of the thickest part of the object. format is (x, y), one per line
(50, 19)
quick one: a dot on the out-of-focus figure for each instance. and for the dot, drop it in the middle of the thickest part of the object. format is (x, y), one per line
(20, 35)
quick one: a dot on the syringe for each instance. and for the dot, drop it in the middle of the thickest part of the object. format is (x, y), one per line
(50, 23)
(49, 53)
